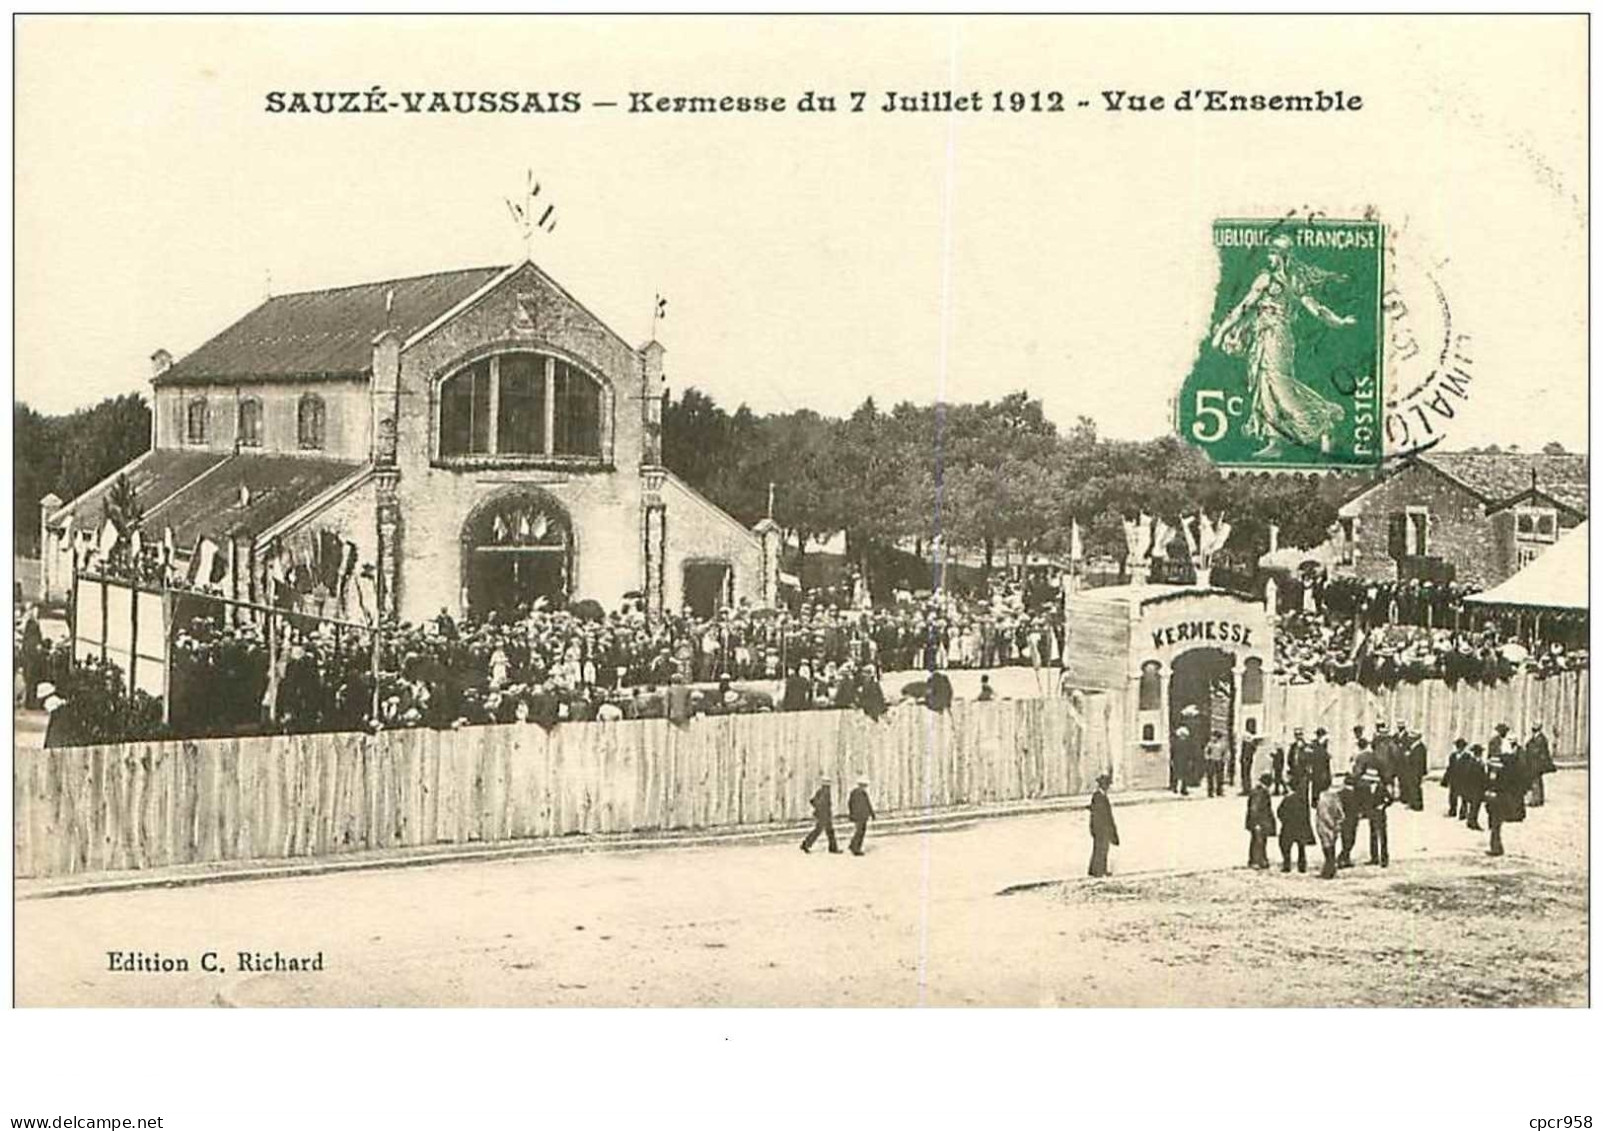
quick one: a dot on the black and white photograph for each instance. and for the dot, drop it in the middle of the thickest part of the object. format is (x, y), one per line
(801, 511)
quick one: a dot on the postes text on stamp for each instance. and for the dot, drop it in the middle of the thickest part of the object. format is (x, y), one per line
(1289, 374)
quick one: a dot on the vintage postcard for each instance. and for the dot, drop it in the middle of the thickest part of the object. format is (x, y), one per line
(799, 511)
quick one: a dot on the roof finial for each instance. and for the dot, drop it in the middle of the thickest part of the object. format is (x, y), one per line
(527, 216)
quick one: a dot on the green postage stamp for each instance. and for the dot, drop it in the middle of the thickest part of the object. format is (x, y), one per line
(1289, 374)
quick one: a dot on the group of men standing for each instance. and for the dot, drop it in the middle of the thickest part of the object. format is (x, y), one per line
(1318, 806)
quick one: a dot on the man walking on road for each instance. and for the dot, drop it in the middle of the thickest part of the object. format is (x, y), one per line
(1104, 831)
(1260, 823)
(823, 819)
(1296, 830)
(861, 810)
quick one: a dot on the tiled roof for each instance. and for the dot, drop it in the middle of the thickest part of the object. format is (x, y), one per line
(324, 334)
(278, 486)
(1498, 476)
(153, 478)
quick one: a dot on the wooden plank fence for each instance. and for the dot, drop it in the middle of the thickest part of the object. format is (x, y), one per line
(1442, 713)
(151, 805)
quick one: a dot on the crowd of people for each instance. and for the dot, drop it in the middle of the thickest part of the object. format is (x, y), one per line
(1316, 646)
(1325, 804)
(551, 665)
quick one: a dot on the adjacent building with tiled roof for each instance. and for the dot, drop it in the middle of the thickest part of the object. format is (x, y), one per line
(1473, 517)
(478, 438)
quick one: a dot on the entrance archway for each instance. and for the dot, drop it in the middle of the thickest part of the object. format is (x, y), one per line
(708, 587)
(1202, 696)
(517, 548)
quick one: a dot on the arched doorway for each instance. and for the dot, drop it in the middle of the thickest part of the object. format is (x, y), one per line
(1202, 695)
(517, 548)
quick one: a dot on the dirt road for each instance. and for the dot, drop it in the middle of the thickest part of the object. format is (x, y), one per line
(919, 920)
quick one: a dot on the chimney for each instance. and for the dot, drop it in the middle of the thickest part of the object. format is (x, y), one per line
(160, 362)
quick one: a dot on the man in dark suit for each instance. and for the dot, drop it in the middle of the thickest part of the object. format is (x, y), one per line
(1538, 761)
(1472, 787)
(861, 810)
(1260, 823)
(1318, 762)
(1353, 801)
(1453, 775)
(1296, 830)
(823, 819)
(1505, 794)
(1379, 796)
(1104, 831)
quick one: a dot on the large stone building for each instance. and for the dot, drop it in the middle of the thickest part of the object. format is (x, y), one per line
(477, 437)
(1471, 517)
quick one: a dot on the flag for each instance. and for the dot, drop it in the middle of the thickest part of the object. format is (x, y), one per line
(1076, 543)
(347, 567)
(538, 528)
(1162, 535)
(662, 307)
(1191, 538)
(220, 567)
(201, 561)
(108, 537)
(524, 529)
(1144, 525)
(1204, 534)
(330, 556)
(167, 548)
(1221, 535)
(136, 544)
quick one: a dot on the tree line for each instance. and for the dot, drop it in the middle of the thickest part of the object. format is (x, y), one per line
(69, 454)
(982, 476)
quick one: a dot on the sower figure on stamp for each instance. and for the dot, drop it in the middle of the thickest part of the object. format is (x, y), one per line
(1260, 326)
(1538, 761)
(1104, 831)
(1260, 823)
(861, 810)
(1296, 830)
(1331, 819)
(823, 819)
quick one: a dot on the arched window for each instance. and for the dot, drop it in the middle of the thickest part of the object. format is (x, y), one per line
(250, 423)
(195, 421)
(1252, 682)
(520, 405)
(310, 422)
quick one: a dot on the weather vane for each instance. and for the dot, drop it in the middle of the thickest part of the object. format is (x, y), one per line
(529, 215)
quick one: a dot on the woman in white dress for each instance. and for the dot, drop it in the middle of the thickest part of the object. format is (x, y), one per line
(1260, 326)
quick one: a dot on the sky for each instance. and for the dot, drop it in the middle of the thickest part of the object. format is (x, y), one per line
(808, 260)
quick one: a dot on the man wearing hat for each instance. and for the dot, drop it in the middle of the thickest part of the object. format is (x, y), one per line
(1296, 829)
(1505, 793)
(1103, 829)
(1330, 819)
(861, 810)
(1214, 755)
(823, 818)
(1260, 823)
(1472, 786)
(62, 727)
(1352, 811)
(1538, 761)
(1415, 764)
(1453, 775)
(1318, 762)
(1377, 797)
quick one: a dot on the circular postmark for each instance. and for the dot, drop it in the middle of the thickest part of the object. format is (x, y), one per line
(1427, 357)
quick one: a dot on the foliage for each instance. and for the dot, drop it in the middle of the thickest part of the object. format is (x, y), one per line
(978, 476)
(69, 454)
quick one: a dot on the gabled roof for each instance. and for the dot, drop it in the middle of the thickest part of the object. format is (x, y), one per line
(1497, 479)
(278, 486)
(154, 476)
(1498, 476)
(325, 334)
